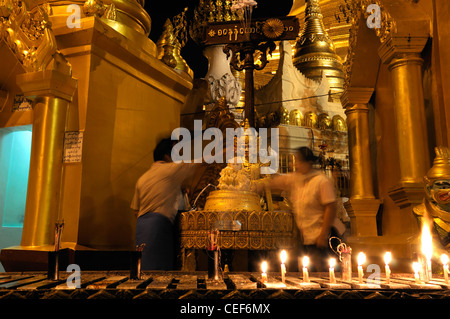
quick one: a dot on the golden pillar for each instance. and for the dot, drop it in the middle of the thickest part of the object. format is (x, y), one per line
(405, 65)
(52, 92)
(362, 207)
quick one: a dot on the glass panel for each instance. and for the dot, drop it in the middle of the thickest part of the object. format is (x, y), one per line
(15, 148)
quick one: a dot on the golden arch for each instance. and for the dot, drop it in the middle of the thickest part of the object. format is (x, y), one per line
(296, 118)
(311, 119)
(339, 124)
(324, 121)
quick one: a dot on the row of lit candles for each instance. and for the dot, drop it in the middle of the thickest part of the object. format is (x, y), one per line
(361, 260)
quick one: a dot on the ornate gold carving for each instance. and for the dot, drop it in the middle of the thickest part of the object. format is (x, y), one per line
(356, 10)
(166, 46)
(94, 8)
(111, 12)
(435, 208)
(273, 28)
(265, 230)
(171, 41)
(208, 11)
(314, 50)
(28, 33)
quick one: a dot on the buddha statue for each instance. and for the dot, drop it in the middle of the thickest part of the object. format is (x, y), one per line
(236, 189)
(436, 205)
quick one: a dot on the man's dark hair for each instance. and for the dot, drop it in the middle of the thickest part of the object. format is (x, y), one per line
(306, 154)
(164, 147)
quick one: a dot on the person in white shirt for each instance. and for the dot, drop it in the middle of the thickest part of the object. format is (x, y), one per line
(156, 201)
(313, 198)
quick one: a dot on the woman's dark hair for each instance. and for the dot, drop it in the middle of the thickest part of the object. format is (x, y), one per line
(164, 147)
(306, 154)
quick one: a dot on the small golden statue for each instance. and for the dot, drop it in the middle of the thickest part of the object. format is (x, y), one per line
(436, 205)
(236, 189)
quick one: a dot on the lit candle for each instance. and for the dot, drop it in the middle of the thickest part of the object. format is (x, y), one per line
(427, 251)
(444, 260)
(332, 263)
(416, 268)
(305, 269)
(387, 260)
(361, 261)
(264, 274)
(283, 257)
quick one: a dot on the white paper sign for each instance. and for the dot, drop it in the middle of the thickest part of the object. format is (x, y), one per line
(73, 143)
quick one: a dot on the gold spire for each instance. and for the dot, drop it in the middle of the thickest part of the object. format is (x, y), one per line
(315, 52)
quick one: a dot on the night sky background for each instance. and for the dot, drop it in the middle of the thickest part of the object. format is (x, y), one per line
(159, 11)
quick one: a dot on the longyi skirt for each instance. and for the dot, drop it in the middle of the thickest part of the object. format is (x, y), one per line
(156, 231)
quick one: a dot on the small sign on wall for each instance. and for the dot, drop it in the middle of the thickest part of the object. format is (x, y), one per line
(21, 103)
(73, 144)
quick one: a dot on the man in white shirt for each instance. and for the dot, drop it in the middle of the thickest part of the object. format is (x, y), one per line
(156, 201)
(313, 197)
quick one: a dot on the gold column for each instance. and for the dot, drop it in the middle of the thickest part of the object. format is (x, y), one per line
(409, 111)
(362, 207)
(52, 92)
(405, 65)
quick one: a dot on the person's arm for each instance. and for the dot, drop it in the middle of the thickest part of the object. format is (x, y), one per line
(277, 183)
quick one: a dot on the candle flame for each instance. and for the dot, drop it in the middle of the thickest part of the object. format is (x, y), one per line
(361, 258)
(427, 242)
(444, 259)
(283, 256)
(264, 266)
(387, 258)
(305, 261)
(416, 267)
(332, 262)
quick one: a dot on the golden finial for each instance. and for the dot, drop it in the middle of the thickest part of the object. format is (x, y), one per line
(441, 165)
(315, 52)
(165, 45)
(111, 13)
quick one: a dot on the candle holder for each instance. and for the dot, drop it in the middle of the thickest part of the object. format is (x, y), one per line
(213, 268)
(345, 257)
(53, 256)
(136, 262)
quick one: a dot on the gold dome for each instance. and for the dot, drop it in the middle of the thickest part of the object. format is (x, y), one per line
(338, 123)
(296, 117)
(311, 119)
(324, 121)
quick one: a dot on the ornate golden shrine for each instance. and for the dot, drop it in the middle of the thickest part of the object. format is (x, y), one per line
(234, 201)
(261, 230)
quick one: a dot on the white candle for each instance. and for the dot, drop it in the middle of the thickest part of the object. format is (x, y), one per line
(361, 261)
(427, 251)
(387, 260)
(416, 268)
(264, 274)
(305, 269)
(332, 263)
(283, 257)
(444, 260)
